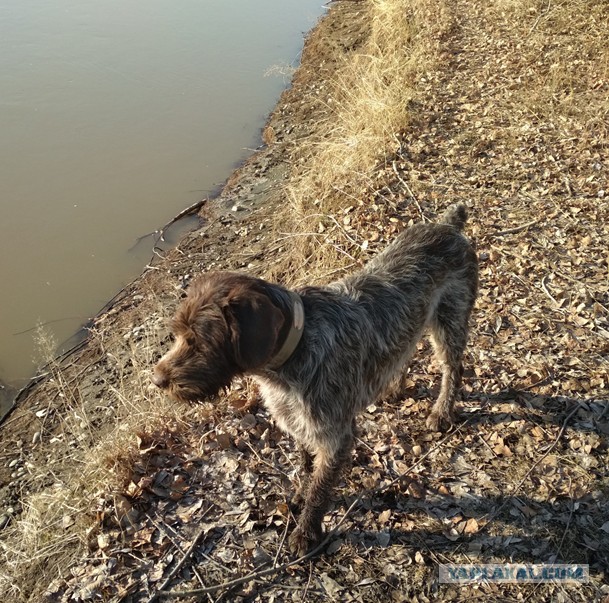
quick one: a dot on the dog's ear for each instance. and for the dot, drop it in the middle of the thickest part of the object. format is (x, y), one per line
(254, 322)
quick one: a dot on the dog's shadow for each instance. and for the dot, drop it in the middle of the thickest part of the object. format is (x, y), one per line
(543, 502)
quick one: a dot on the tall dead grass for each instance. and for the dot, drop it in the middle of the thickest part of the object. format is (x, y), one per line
(89, 444)
(366, 106)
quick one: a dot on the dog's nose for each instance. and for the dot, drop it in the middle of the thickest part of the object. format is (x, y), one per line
(159, 378)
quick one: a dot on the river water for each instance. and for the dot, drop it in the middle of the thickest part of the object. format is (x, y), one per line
(114, 116)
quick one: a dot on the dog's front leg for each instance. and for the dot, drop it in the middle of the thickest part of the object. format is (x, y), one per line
(327, 468)
(306, 470)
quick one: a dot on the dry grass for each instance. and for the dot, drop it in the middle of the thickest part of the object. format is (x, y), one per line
(93, 445)
(363, 108)
(360, 111)
(564, 58)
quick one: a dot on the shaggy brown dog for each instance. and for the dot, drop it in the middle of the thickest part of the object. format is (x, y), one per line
(324, 353)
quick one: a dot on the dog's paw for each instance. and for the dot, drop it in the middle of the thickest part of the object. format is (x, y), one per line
(437, 421)
(302, 541)
(297, 501)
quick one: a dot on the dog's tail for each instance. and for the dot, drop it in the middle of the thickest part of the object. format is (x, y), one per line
(455, 215)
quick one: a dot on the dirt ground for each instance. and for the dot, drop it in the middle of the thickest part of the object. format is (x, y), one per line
(523, 478)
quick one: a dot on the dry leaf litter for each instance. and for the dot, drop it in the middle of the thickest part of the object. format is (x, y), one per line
(524, 477)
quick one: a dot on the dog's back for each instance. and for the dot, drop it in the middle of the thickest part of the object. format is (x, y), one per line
(429, 251)
(361, 330)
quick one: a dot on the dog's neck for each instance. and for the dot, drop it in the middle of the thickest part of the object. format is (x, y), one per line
(294, 334)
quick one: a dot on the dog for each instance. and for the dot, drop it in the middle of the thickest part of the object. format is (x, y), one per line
(323, 353)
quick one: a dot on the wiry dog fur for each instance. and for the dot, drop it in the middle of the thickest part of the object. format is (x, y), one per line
(358, 336)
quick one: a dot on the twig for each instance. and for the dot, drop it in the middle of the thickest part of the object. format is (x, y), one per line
(408, 190)
(214, 562)
(181, 562)
(162, 526)
(353, 241)
(341, 250)
(487, 445)
(260, 573)
(191, 209)
(544, 288)
(49, 322)
(306, 590)
(516, 228)
(281, 568)
(564, 534)
(541, 14)
(280, 547)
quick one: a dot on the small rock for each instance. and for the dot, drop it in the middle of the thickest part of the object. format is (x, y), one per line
(261, 557)
(248, 421)
(36, 438)
(4, 519)
(383, 539)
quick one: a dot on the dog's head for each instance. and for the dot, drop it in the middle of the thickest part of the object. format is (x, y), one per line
(226, 326)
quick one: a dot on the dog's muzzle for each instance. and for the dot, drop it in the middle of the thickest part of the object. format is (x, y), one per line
(159, 379)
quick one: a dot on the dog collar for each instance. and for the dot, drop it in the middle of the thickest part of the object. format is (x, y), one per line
(294, 334)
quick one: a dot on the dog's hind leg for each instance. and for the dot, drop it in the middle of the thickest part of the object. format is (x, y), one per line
(449, 337)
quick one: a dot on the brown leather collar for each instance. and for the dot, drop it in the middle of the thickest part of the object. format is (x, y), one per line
(294, 334)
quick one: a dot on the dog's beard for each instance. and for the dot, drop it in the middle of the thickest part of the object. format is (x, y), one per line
(199, 389)
(189, 394)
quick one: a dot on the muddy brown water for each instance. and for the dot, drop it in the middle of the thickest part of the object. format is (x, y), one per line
(114, 116)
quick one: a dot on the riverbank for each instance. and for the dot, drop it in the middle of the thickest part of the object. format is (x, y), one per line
(105, 484)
